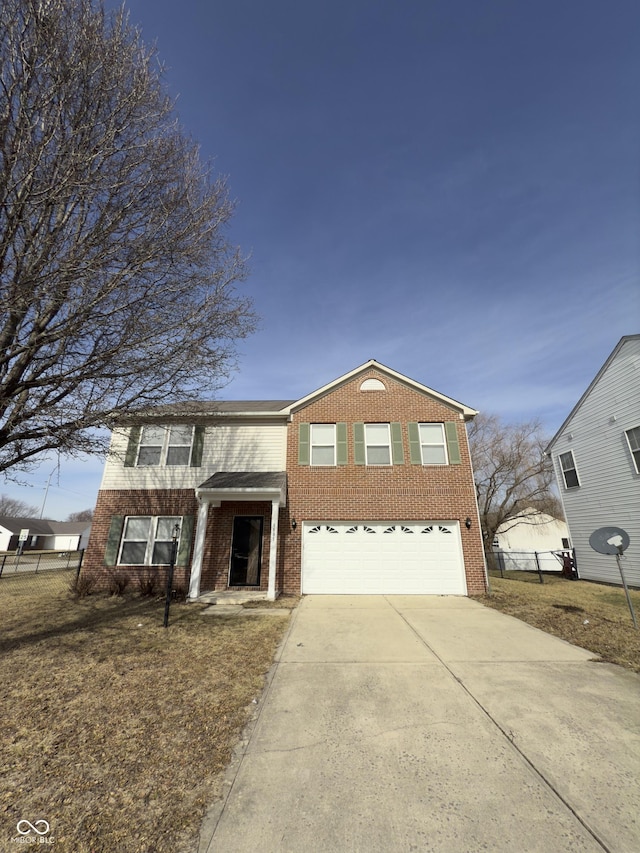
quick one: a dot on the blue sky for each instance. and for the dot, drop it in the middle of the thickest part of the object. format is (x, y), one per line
(448, 187)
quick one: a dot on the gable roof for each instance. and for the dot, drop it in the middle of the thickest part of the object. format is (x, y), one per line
(466, 411)
(623, 340)
(43, 526)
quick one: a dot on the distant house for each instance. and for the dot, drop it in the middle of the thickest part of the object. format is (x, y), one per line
(43, 535)
(362, 486)
(596, 458)
(531, 540)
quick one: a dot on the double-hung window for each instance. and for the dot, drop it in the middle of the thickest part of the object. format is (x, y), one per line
(377, 439)
(633, 439)
(569, 471)
(147, 540)
(323, 444)
(161, 445)
(433, 445)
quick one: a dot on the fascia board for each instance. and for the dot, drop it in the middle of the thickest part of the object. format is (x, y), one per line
(466, 411)
(590, 388)
(216, 496)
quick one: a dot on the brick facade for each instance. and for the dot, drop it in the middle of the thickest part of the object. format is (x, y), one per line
(379, 493)
(350, 492)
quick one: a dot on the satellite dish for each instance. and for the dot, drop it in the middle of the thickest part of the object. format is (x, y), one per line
(609, 540)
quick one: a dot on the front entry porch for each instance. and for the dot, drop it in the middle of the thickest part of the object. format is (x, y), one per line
(237, 534)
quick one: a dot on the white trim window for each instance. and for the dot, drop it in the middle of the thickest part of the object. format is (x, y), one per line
(323, 444)
(569, 470)
(633, 440)
(377, 440)
(147, 540)
(170, 446)
(433, 445)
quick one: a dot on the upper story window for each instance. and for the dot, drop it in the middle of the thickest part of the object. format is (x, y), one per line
(147, 540)
(154, 445)
(633, 439)
(377, 440)
(433, 446)
(323, 444)
(165, 445)
(569, 471)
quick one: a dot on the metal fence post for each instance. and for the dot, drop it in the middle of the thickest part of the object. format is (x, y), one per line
(538, 565)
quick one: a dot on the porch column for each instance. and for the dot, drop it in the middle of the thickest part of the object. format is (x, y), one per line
(273, 544)
(198, 549)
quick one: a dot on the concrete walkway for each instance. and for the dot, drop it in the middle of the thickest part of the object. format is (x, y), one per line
(395, 723)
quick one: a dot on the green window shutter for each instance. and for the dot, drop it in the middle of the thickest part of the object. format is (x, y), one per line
(186, 535)
(453, 447)
(341, 444)
(113, 540)
(196, 449)
(132, 447)
(358, 444)
(304, 449)
(396, 444)
(415, 452)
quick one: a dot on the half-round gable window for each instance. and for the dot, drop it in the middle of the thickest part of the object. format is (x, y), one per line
(372, 385)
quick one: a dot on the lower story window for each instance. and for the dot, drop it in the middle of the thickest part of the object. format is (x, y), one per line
(147, 540)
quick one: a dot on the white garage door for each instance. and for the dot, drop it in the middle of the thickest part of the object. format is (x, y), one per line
(373, 558)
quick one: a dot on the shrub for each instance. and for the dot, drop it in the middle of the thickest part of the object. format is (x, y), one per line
(118, 582)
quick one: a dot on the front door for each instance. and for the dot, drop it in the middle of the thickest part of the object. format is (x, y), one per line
(246, 550)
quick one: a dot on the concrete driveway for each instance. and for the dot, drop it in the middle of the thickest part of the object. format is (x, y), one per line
(395, 723)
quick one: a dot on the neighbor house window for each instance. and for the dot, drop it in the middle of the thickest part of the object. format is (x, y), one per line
(433, 446)
(633, 438)
(568, 466)
(323, 444)
(377, 439)
(165, 445)
(147, 540)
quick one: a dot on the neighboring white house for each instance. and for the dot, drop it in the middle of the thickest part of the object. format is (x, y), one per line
(44, 535)
(596, 458)
(529, 534)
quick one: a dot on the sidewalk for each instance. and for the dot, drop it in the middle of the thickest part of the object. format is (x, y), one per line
(433, 724)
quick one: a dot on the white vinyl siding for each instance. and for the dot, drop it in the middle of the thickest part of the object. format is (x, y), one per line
(609, 493)
(147, 540)
(382, 558)
(227, 447)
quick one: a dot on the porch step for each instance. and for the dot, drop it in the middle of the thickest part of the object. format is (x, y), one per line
(232, 596)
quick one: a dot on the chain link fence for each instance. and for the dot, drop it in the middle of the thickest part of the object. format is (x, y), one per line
(534, 565)
(46, 569)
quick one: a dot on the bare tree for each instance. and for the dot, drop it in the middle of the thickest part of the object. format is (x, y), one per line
(14, 508)
(511, 474)
(117, 280)
(82, 515)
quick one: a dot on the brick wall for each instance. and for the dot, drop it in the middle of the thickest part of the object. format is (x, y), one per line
(378, 493)
(134, 502)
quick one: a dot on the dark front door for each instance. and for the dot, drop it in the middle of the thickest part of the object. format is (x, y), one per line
(246, 550)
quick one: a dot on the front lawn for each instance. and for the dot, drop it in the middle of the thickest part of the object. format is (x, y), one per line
(591, 615)
(114, 729)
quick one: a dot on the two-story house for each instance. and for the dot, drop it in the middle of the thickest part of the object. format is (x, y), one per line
(363, 486)
(596, 457)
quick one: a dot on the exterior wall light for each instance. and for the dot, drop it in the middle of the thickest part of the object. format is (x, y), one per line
(294, 524)
(467, 523)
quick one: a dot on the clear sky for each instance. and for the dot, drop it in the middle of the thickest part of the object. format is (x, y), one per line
(447, 186)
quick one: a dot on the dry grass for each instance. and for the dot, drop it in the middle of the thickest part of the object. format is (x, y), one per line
(594, 616)
(116, 730)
